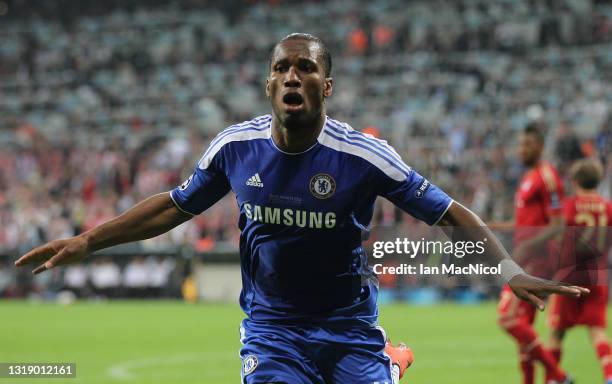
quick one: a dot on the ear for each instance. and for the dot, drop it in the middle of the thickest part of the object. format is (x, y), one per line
(267, 87)
(327, 90)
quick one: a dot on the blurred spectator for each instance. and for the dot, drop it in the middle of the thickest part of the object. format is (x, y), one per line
(603, 141)
(567, 146)
(136, 278)
(105, 277)
(160, 269)
(6, 280)
(75, 279)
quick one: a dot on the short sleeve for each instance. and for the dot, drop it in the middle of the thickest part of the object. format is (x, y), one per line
(203, 188)
(417, 196)
(553, 190)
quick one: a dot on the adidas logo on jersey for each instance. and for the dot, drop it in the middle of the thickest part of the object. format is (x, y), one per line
(254, 181)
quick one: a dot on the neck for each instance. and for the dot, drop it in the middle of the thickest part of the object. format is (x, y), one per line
(585, 192)
(296, 138)
(535, 165)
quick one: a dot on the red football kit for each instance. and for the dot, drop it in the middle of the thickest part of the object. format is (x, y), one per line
(537, 199)
(586, 244)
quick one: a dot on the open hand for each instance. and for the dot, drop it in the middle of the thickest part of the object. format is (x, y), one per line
(533, 289)
(54, 253)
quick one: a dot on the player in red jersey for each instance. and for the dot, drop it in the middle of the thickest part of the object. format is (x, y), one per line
(584, 259)
(537, 205)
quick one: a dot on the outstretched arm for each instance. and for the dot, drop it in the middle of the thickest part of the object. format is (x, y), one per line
(552, 230)
(525, 286)
(149, 218)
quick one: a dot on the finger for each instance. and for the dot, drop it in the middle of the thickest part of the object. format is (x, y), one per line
(536, 301)
(37, 254)
(57, 259)
(52, 262)
(566, 290)
(583, 291)
(41, 268)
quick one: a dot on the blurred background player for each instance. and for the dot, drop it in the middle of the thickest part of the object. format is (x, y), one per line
(537, 204)
(587, 216)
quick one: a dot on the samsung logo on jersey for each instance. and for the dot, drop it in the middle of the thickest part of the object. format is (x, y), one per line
(290, 217)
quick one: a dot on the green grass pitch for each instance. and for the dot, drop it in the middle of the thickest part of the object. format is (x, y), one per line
(174, 342)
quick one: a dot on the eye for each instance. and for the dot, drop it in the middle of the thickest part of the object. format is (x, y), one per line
(307, 67)
(280, 68)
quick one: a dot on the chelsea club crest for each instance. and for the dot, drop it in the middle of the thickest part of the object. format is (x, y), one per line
(249, 364)
(322, 186)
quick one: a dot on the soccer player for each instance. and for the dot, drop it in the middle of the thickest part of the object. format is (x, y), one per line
(587, 217)
(537, 205)
(305, 185)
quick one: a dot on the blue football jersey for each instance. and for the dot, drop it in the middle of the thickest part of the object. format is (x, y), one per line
(302, 216)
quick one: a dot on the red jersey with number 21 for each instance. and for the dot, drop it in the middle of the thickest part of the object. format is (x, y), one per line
(587, 238)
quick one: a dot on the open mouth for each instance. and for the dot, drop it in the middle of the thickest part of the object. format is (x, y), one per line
(293, 99)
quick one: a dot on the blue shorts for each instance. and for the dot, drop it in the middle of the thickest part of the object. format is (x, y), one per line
(298, 354)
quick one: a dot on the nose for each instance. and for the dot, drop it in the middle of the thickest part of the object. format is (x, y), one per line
(292, 80)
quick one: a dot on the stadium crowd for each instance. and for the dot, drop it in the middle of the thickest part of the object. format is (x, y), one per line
(116, 101)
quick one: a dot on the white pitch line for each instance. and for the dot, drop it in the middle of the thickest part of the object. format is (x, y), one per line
(123, 371)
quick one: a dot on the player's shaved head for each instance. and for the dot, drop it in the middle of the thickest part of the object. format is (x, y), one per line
(299, 83)
(535, 131)
(324, 55)
(587, 173)
(531, 145)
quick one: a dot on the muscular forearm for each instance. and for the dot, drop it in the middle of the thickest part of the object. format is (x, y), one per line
(149, 218)
(466, 225)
